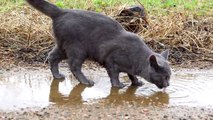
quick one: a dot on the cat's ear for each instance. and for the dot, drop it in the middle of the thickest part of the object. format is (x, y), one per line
(153, 61)
(165, 54)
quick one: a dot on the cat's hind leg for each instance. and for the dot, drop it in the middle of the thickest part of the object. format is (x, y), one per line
(54, 58)
(76, 58)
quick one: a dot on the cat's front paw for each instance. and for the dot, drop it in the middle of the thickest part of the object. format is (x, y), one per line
(59, 76)
(138, 83)
(119, 85)
(88, 82)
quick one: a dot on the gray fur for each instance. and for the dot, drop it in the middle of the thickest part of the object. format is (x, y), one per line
(82, 35)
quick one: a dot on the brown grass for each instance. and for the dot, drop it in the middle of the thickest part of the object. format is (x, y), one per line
(190, 38)
(25, 35)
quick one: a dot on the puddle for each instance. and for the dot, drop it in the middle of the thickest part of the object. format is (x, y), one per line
(35, 88)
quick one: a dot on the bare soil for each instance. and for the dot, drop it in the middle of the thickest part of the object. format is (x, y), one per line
(98, 112)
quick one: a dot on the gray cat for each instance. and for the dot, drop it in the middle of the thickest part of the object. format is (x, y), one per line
(82, 35)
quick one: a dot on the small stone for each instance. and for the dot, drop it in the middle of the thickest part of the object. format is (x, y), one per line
(114, 114)
(145, 110)
(165, 116)
(126, 117)
(97, 107)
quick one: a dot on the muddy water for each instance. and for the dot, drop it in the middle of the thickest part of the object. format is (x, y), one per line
(23, 88)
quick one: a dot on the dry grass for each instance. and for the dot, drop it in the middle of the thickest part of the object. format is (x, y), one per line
(25, 35)
(190, 38)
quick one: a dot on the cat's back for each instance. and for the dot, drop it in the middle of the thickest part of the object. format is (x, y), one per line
(87, 20)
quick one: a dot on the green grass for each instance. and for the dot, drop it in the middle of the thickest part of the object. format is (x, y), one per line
(6, 5)
(200, 7)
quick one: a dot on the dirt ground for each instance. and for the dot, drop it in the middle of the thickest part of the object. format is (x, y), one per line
(99, 112)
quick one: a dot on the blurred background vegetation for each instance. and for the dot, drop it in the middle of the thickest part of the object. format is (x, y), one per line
(199, 7)
(183, 26)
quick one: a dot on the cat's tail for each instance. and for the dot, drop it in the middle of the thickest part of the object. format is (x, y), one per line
(46, 8)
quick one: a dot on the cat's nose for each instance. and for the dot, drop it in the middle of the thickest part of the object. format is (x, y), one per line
(166, 84)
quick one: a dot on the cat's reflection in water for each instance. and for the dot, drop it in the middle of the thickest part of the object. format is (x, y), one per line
(59, 99)
(116, 97)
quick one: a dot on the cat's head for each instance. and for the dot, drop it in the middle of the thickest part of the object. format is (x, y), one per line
(159, 71)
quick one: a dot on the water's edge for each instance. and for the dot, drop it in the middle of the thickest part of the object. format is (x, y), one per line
(21, 88)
